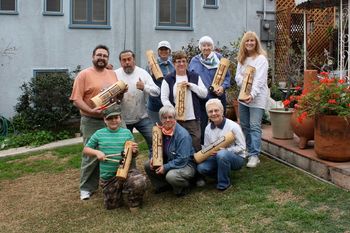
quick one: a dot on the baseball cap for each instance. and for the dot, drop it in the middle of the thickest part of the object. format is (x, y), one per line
(165, 44)
(112, 110)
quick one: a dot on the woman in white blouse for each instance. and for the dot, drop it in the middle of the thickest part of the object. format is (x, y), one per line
(251, 110)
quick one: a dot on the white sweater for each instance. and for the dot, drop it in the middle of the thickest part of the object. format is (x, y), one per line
(260, 90)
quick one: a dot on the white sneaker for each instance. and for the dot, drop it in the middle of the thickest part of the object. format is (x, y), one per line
(84, 195)
(253, 161)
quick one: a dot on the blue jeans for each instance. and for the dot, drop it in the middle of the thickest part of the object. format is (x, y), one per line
(250, 121)
(220, 166)
(144, 126)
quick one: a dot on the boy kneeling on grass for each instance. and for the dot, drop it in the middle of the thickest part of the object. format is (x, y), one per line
(107, 144)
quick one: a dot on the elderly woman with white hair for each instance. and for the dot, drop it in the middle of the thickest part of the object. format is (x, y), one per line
(178, 168)
(205, 64)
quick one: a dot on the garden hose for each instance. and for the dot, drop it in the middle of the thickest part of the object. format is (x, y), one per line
(4, 126)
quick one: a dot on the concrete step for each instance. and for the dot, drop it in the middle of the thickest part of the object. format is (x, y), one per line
(306, 159)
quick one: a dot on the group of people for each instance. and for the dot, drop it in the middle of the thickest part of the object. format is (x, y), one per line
(148, 101)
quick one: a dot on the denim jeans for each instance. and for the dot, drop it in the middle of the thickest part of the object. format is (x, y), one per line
(220, 166)
(144, 126)
(250, 121)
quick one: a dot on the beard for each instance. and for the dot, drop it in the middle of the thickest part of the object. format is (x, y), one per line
(128, 69)
(100, 63)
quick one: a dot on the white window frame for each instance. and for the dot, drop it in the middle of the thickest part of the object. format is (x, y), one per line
(89, 23)
(172, 25)
(53, 13)
(38, 71)
(211, 6)
(10, 12)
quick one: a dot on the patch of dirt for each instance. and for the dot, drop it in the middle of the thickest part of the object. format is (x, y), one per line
(28, 202)
(283, 197)
(46, 156)
(36, 196)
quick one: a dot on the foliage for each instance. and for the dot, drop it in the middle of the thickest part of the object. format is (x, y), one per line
(292, 72)
(293, 98)
(331, 96)
(276, 94)
(35, 138)
(191, 49)
(294, 67)
(44, 103)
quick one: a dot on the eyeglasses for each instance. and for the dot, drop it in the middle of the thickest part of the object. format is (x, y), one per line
(101, 55)
(181, 61)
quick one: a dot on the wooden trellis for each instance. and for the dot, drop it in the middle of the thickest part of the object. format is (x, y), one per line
(290, 33)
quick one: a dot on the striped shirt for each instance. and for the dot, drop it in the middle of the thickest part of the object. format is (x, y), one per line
(109, 142)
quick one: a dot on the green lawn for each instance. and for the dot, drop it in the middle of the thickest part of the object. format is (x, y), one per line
(39, 193)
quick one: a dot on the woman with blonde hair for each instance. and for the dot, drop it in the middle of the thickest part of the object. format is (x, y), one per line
(251, 110)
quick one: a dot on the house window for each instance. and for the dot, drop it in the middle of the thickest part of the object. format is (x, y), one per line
(53, 7)
(174, 14)
(44, 72)
(8, 7)
(211, 4)
(90, 14)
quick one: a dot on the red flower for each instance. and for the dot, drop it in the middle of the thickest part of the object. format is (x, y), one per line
(302, 116)
(341, 81)
(332, 101)
(286, 103)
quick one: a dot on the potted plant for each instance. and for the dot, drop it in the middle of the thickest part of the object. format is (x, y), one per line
(232, 102)
(329, 103)
(280, 117)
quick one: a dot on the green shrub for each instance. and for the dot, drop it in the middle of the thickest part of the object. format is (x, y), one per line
(44, 103)
(35, 138)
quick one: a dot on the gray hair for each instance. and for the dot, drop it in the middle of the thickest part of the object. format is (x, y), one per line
(167, 109)
(205, 39)
(215, 102)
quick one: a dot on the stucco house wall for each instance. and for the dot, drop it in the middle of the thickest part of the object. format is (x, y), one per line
(30, 40)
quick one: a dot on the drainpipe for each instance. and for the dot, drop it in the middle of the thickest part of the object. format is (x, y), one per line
(135, 31)
(341, 39)
(348, 73)
(305, 45)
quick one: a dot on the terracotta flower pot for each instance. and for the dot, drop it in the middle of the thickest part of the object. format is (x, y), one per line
(332, 135)
(304, 130)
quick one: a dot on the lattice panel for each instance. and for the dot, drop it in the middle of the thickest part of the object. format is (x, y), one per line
(289, 23)
(282, 43)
